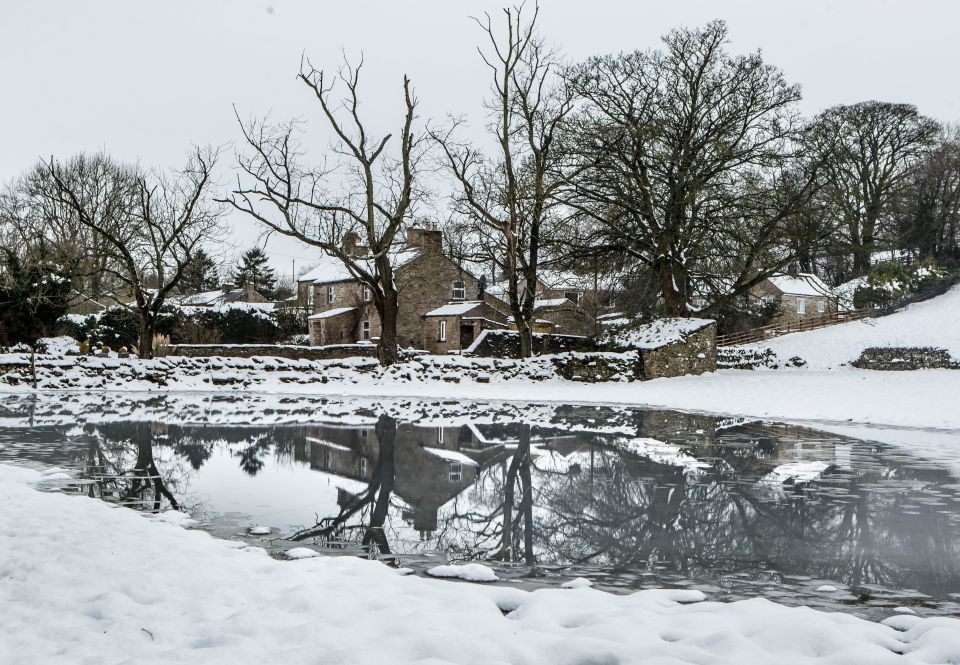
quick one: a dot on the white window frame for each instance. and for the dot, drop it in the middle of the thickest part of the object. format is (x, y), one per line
(364, 467)
(442, 331)
(366, 293)
(310, 296)
(330, 295)
(821, 306)
(365, 329)
(455, 472)
(459, 287)
(440, 435)
(801, 305)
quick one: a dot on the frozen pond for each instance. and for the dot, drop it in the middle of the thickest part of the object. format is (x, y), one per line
(627, 497)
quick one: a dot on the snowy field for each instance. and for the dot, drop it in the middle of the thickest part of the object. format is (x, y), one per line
(934, 322)
(82, 582)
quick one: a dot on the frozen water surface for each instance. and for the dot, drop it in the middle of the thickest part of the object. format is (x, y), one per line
(624, 498)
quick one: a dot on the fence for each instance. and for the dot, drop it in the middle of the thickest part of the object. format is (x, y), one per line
(777, 329)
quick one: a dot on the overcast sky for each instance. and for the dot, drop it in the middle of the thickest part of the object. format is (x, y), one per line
(145, 80)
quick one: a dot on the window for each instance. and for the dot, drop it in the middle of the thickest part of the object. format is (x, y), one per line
(363, 467)
(459, 290)
(327, 459)
(365, 330)
(801, 306)
(439, 435)
(366, 294)
(821, 306)
(443, 331)
(310, 296)
(456, 472)
(329, 294)
(363, 434)
(573, 296)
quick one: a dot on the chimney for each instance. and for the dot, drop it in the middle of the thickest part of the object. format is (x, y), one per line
(427, 237)
(793, 269)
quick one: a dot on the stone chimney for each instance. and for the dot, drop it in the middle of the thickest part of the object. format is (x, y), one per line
(427, 237)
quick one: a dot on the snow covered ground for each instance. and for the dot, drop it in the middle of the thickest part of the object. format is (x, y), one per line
(934, 322)
(82, 582)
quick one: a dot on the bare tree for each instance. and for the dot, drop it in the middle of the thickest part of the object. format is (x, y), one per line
(150, 224)
(366, 195)
(510, 196)
(691, 169)
(931, 224)
(869, 153)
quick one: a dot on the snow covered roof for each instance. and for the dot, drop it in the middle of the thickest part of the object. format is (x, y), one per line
(803, 284)
(450, 455)
(454, 308)
(655, 334)
(550, 302)
(330, 313)
(331, 270)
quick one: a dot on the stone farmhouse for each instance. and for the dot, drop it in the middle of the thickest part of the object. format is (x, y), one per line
(443, 307)
(800, 296)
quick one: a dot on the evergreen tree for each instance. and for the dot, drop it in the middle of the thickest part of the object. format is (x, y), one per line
(254, 269)
(200, 274)
(32, 297)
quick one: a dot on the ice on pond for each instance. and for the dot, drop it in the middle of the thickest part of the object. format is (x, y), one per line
(471, 572)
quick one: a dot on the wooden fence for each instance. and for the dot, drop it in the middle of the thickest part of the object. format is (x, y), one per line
(777, 329)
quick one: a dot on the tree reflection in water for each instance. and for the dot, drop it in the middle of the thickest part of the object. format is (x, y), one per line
(699, 506)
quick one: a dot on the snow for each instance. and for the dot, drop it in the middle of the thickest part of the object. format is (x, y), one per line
(934, 322)
(655, 334)
(577, 583)
(454, 309)
(826, 588)
(331, 270)
(84, 583)
(330, 313)
(798, 472)
(804, 284)
(550, 302)
(301, 553)
(450, 455)
(259, 530)
(471, 572)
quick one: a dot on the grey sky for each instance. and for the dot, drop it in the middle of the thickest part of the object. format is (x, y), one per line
(144, 80)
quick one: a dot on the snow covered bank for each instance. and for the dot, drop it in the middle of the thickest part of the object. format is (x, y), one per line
(83, 582)
(932, 323)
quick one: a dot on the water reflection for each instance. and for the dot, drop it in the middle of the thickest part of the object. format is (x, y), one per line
(650, 494)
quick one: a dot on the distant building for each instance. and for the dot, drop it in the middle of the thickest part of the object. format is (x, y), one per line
(226, 294)
(800, 296)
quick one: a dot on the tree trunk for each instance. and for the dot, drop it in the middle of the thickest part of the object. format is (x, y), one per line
(387, 347)
(386, 432)
(526, 501)
(147, 332)
(673, 301)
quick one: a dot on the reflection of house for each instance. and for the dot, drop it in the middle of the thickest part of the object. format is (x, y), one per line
(800, 296)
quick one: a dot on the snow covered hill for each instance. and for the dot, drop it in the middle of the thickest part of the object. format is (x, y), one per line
(934, 322)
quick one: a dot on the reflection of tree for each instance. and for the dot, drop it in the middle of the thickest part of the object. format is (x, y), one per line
(376, 496)
(124, 467)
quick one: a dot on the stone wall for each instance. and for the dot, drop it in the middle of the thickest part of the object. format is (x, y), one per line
(899, 358)
(273, 350)
(696, 354)
(506, 344)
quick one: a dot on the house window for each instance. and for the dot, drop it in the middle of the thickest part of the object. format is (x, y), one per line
(821, 306)
(443, 331)
(310, 296)
(363, 434)
(439, 435)
(329, 294)
(365, 330)
(363, 467)
(459, 290)
(573, 296)
(456, 472)
(801, 306)
(366, 294)
(327, 459)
